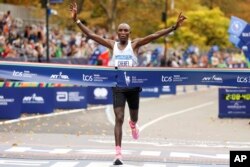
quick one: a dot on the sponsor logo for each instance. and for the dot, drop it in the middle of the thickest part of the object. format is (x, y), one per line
(236, 106)
(87, 78)
(214, 78)
(94, 78)
(173, 78)
(62, 96)
(33, 99)
(151, 90)
(23, 74)
(166, 88)
(100, 93)
(4, 101)
(127, 79)
(166, 78)
(241, 79)
(59, 76)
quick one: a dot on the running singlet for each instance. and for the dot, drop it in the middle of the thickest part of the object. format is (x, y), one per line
(123, 58)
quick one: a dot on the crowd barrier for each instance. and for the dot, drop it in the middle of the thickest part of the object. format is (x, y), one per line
(33, 98)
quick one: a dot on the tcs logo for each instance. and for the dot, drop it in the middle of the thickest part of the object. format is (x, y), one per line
(243, 79)
(166, 78)
(87, 78)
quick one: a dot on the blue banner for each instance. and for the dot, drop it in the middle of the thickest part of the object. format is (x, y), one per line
(71, 98)
(146, 77)
(122, 77)
(37, 100)
(234, 102)
(150, 92)
(100, 95)
(10, 103)
(236, 26)
(55, 73)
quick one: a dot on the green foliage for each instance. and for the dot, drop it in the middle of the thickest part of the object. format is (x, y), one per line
(203, 27)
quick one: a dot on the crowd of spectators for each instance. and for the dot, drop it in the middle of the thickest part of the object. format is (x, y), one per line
(29, 42)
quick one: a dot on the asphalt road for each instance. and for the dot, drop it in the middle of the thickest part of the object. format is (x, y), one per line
(176, 130)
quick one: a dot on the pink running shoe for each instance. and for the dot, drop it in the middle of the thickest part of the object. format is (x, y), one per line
(118, 156)
(134, 129)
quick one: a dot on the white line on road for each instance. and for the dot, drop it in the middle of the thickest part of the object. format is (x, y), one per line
(22, 163)
(174, 114)
(50, 115)
(151, 153)
(65, 164)
(188, 155)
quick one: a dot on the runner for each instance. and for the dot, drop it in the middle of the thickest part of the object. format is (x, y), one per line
(125, 53)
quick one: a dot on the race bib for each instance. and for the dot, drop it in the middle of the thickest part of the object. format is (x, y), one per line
(123, 61)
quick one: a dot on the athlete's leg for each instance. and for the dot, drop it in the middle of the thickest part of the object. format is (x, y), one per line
(119, 101)
(119, 119)
(133, 99)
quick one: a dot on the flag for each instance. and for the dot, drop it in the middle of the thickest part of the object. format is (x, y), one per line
(245, 35)
(236, 26)
(236, 41)
(104, 57)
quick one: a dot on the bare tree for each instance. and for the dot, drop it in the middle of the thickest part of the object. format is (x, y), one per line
(110, 8)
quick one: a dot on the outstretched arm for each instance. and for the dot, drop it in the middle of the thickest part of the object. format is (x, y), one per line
(90, 34)
(143, 41)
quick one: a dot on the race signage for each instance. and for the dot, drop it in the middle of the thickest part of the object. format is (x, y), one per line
(234, 102)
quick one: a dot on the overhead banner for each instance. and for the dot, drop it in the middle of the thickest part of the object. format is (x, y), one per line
(123, 77)
(146, 77)
(55, 73)
(234, 102)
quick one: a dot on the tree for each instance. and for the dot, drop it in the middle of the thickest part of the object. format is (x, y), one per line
(239, 8)
(204, 28)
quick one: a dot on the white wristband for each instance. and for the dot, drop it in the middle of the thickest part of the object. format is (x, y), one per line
(78, 21)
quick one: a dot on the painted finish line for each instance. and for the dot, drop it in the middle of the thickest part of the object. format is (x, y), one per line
(124, 77)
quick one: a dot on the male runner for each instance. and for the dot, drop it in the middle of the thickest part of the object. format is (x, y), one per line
(124, 54)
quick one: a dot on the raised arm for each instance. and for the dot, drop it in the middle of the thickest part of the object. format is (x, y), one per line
(143, 41)
(90, 34)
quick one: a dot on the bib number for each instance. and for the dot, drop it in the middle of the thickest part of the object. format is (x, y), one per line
(123, 63)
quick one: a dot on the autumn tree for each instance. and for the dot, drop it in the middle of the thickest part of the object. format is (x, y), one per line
(204, 28)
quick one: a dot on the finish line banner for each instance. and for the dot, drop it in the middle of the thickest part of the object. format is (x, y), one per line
(124, 77)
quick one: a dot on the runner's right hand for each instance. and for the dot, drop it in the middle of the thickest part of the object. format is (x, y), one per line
(73, 10)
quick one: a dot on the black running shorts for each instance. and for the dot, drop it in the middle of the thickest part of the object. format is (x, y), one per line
(131, 95)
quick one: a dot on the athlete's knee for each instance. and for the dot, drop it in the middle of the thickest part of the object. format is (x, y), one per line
(119, 115)
(119, 118)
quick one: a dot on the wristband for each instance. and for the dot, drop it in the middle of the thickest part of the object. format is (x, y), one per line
(78, 21)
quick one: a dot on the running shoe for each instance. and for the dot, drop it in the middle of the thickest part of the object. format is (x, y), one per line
(134, 129)
(117, 161)
(118, 156)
